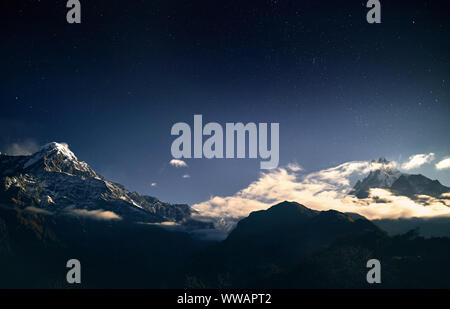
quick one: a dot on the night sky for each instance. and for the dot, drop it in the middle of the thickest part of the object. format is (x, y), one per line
(113, 86)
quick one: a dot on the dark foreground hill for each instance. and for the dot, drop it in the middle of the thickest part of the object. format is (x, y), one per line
(291, 246)
(286, 246)
(35, 248)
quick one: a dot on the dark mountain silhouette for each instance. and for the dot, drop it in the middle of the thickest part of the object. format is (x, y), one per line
(291, 246)
(35, 248)
(286, 246)
(270, 234)
(427, 227)
(414, 185)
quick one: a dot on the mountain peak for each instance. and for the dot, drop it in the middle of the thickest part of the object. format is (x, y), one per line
(289, 225)
(55, 145)
(415, 185)
(62, 148)
(289, 207)
(383, 164)
(55, 180)
(385, 175)
(49, 151)
(57, 157)
(383, 160)
(382, 175)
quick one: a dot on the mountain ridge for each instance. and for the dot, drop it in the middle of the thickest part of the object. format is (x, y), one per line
(389, 177)
(54, 180)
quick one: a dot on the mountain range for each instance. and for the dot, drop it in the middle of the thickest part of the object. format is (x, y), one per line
(53, 180)
(54, 207)
(387, 176)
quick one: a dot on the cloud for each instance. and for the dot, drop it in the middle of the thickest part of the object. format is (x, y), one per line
(163, 224)
(443, 164)
(154, 184)
(168, 225)
(98, 214)
(294, 167)
(38, 210)
(178, 163)
(418, 160)
(186, 176)
(24, 148)
(322, 190)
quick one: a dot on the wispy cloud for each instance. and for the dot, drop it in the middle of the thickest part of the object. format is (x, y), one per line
(24, 148)
(417, 161)
(443, 164)
(178, 163)
(294, 167)
(186, 176)
(98, 214)
(38, 210)
(321, 190)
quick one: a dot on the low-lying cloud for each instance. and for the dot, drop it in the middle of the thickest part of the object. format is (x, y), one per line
(97, 214)
(38, 210)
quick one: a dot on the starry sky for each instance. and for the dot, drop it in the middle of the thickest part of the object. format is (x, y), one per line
(113, 86)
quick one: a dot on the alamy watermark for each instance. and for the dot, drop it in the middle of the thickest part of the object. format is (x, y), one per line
(236, 135)
(374, 274)
(73, 16)
(374, 14)
(74, 273)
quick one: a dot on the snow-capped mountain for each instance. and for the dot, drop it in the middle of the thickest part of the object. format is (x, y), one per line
(57, 157)
(54, 180)
(383, 177)
(387, 176)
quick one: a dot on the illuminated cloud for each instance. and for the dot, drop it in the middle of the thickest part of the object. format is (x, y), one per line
(98, 214)
(294, 167)
(443, 164)
(321, 190)
(418, 160)
(154, 184)
(38, 210)
(186, 176)
(178, 163)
